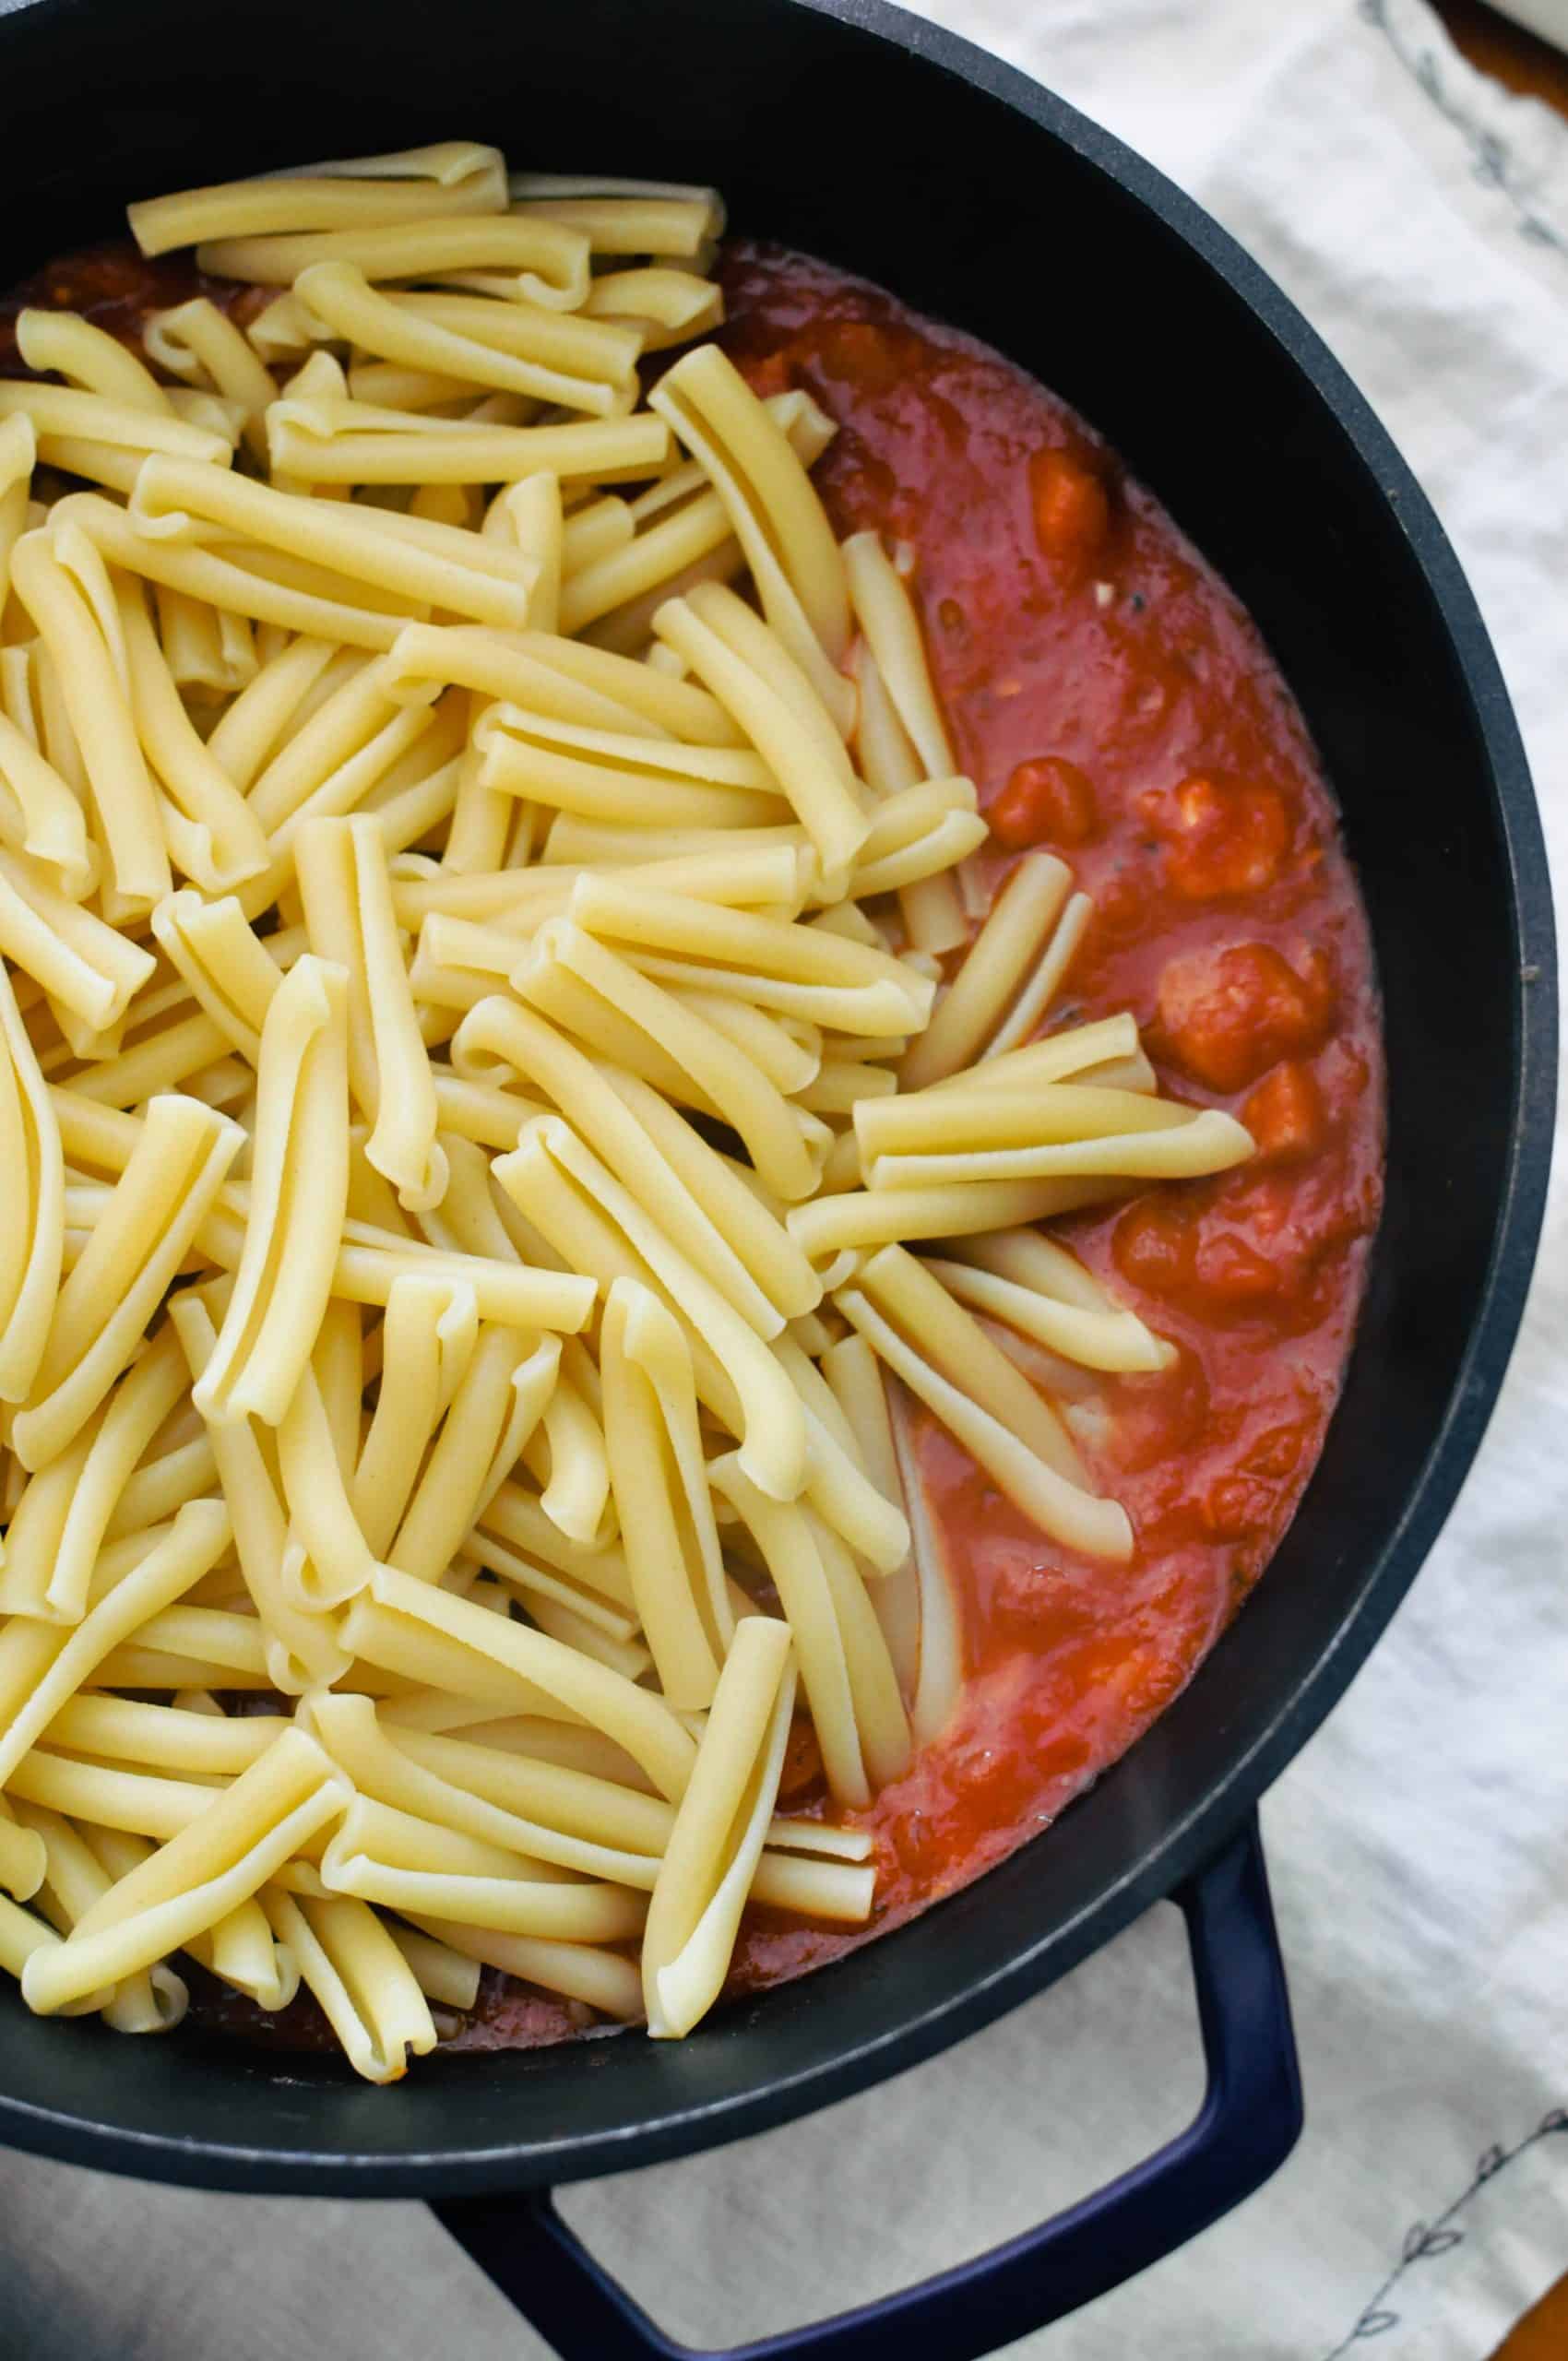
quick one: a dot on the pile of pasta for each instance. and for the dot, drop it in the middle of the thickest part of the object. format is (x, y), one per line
(494, 995)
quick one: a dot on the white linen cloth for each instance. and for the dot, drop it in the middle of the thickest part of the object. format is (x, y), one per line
(1418, 1848)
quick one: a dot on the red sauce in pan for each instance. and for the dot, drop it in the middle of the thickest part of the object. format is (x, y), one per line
(1113, 703)
(115, 287)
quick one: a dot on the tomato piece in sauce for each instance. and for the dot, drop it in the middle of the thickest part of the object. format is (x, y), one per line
(1072, 512)
(1047, 801)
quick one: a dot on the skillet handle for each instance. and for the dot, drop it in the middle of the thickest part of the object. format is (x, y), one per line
(1247, 2125)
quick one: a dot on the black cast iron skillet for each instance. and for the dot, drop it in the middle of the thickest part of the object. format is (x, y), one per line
(849, 129)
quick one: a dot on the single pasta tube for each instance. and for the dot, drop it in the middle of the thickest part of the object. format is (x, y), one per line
(716, 1840)
(298, 1194)
(219, 1860)
(348, 903)
(777, 707)
(454, 177)
(182, 1154)
(661, 1494)
(1060, 1507)
(31, 1237)
(1012, 972)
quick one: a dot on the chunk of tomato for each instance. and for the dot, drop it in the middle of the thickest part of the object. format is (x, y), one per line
(1229, 1014)
(1285, 1114)
(1046, 800)
(1071, 508)
(1223, 837)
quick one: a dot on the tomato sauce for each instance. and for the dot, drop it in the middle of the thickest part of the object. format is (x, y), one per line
(116, 287)
(1113, 702)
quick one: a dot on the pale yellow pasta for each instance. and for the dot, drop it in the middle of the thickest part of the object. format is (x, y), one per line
(316, 602)
(517, 1517)
(773, 508)
(143, 1399)
(886, 616)
(22, 1859)
(514, 1659)
(349, 916)
(1061, 1131)
(1057, 1505)
(97, 699)
(406, 1863)
(915, 1603)
(336, 442)
(668, 1041)
(195, 1541)
(366, 1989)
(716, 1840)
(298, 1193)
(179, 502)
(572, 344)
(425, 334)
(163, 1484)
(787, 1539)
(226, 839)
(1038, 1288)
(211, 653)
(669, 305)
(1013, 970)
(18, 456)
(45, 821)
(247, 731)
(854, 1218)
(147, 2002)
(170, 1739)
(182, 1154)
(31, 1237)
(548, 261)
(198, 342)
(766, 1414)
(22, 1933)
(501, 667)
(931, 906)
(604, 776)
(608, 1119)
(226, 966)
(94, 422)
(429, 1336)
(479, 868)
(566, 1454)
(500, 1804)
(794, 970)
(661, 1495)
(197, 1878)
(775, 704)
(907, 1293)
(325, 1558)
(104, 1796)
(88, 356)
(443, 1973)
(750, 1224)
(418, 183)
(602, 1979)
(624, 217)
(505, 1388)
(301, 1649)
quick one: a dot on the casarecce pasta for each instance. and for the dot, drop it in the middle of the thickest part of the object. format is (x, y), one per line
(493, 1028)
